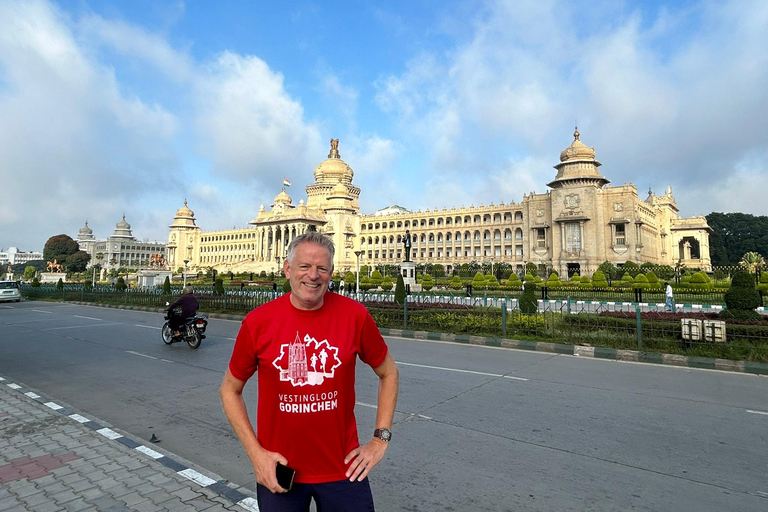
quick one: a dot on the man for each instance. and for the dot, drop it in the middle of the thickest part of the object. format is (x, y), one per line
(304, 346)
(670, 305)
(188, 306)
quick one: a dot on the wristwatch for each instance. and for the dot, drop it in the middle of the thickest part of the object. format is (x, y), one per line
(383, 434)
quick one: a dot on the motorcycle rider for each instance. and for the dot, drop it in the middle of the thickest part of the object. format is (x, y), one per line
(189, 307)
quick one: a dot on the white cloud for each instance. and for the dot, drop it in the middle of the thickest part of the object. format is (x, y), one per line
(249, 126)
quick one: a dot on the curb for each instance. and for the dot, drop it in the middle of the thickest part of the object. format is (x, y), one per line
(583, 351)
(231, 492)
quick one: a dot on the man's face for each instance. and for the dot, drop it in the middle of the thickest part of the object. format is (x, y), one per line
(309, 274)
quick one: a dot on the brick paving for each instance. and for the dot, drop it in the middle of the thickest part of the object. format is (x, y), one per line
(55, 460)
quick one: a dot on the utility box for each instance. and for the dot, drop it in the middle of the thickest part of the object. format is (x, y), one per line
(713, 330)
(691, 329)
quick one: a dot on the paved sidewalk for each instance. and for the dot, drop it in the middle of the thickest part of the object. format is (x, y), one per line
(53, 459)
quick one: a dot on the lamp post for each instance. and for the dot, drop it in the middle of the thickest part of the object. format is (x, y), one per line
(184, 274)
(357, 274)
(277, 260)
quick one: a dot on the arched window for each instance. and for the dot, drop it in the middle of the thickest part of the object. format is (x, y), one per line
(518, 234)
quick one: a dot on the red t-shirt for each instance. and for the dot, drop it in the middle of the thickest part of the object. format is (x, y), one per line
(306, 379)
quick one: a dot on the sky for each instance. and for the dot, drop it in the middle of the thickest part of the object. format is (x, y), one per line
(130, 107)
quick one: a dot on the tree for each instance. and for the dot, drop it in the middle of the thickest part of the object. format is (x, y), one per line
(742, 298)
(120, 284)
(29, 272)
(78, 262)
(60, 248)
(734, 234)
(752, 261)
(167, 286)
(218, 288)
(60, 285)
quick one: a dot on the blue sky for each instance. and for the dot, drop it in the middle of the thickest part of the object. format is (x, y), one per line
(130, 107)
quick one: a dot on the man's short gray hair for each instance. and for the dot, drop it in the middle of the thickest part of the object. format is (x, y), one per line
(310, 237)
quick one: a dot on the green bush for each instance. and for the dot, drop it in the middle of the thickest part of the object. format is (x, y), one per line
(400, 290)
(387, 284)
(763, 286)
(585, 283)
(35, 283)
(742, 295)
(167, 285)
(427, 282)
(528, 302)
(652, 279)
(631, 268)
(119, 285)
(349, 278)
(640, 282)
(376, 278)
(218, 288)
(700, 281)
(366, 284)
(456, 283)
(553, 281)
(599, 280)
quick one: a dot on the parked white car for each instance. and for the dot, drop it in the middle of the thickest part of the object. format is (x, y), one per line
(9, 290)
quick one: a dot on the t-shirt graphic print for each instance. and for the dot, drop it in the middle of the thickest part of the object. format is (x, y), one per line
(308, 362)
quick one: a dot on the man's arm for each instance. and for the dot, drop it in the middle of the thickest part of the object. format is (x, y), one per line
(264, 462)
(365, 457)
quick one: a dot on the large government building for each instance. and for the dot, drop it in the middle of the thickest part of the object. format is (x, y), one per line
(573, 227)
(121, 249)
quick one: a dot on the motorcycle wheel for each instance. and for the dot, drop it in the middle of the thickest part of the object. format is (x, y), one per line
(195, 340)
(167, 334)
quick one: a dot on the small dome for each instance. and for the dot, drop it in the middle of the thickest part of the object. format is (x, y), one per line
(283, 198)
(577, 150)
(122, 230)
(184, 211)
(123, 224)
(85, 233)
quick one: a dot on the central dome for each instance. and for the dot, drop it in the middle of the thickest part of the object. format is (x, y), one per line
(333, 169)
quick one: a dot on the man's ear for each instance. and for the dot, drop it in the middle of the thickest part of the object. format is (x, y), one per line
(287, 268)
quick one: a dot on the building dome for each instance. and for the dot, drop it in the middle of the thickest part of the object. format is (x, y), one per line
(333, 169)
(122, 230)
(577, 150)
(85, 233)
(184, 211)
(283, 198)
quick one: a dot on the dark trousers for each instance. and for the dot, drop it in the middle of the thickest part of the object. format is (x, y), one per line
(341, 496)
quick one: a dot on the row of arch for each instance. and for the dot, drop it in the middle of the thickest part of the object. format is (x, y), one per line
(458, 236)
(458, 220)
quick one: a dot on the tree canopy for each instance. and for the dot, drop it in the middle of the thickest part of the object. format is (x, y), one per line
(67, 252)
(734, 235)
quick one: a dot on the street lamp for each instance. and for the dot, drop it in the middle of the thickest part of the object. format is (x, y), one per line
(357, 274)
(277, 260)
(184, 273)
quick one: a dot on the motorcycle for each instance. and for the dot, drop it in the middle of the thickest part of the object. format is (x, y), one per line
(192, 330)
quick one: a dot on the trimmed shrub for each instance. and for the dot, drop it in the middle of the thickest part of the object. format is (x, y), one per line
(700, 281)
(652, 279)
(376, 278)
(456, 283)
(35, 283)
(478, 282)
(60, 284)
(365, 283)
(387, 284)
(554, 281)
(631, 268)
(742, 296)
(167, 285)
(218, 288)
(599, 280)
(528, 303)
(427, 283)
(584, 282)
(763, 286)
(640, 282)
(400, 290)
(627, 279)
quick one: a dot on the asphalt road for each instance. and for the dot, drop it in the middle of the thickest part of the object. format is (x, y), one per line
(477, 428)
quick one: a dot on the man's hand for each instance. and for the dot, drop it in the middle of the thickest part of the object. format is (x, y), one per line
(364, 458)
(265, 469)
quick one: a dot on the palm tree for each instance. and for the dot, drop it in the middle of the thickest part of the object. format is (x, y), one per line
(752, 260)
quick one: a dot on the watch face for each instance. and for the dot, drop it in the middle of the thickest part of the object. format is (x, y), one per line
(384, 434)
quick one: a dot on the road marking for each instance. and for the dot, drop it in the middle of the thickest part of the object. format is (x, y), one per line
(460, 371)
(761, 493)
(147, 326)
(109, 433)
(30, 394)
(53, 405)
(167, 361)
(87, 317)
(149, 451)
(140, 354)
(14, 386)
(197, 477)
(363, 404)
(757, 412)
(81, 326)
(79, 419)
(41, 311)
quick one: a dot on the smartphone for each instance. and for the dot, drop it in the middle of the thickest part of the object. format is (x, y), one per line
(285, 476)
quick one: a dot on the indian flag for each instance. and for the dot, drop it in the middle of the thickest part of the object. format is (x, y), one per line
(286, 183)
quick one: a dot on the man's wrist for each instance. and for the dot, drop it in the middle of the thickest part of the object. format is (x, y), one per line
(384, 434)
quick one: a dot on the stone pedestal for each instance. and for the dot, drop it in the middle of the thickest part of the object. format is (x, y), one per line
(408, 271)
(153, 278)
(53, 277)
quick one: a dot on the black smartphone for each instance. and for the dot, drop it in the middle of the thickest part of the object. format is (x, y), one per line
(285, 476)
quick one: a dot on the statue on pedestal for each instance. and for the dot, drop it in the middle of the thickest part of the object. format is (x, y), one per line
(407, 245)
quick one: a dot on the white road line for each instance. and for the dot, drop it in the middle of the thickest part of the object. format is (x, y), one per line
(149, 451)
(53, 405)
(79, 419)
(233, 339)
(41, 311)
(460, 371)
(167, 360)
(81, 326)
(140, 354)
(13, 386)
(363, 404)
(249, 504)
(147, 326)
(196, 477)
(87, 317)
(109, 433)
(30, 394)
(757, 412)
